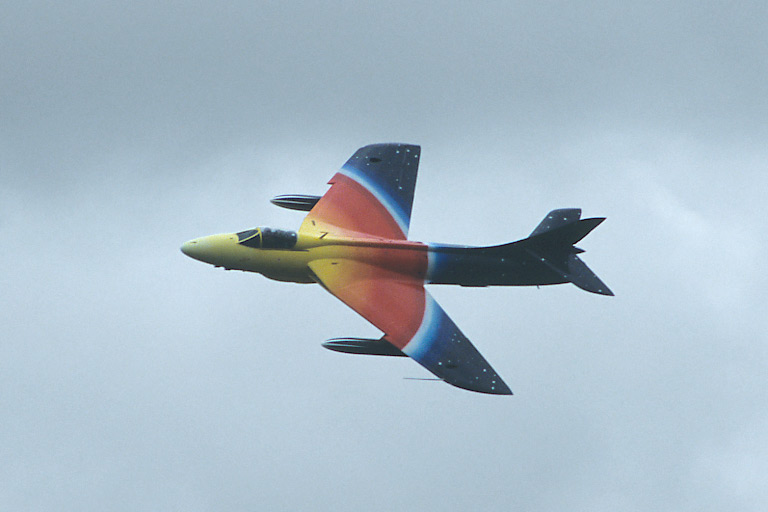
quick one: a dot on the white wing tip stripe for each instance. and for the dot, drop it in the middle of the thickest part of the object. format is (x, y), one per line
(422, 340)
(389, 204)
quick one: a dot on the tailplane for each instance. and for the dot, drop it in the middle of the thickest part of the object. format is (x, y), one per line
(552, 243)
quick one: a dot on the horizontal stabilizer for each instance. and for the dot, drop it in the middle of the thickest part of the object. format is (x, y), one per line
(552, 243)
(577, 272)
(580, 275)
(565, 235)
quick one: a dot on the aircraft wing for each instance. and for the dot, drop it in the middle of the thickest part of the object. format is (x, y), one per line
(371, 195)
(411, 320)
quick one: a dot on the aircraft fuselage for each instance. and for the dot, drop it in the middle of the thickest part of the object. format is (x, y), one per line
(431, 263)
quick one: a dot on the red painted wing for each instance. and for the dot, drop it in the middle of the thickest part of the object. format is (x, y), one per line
(411, 321)
(371, 195)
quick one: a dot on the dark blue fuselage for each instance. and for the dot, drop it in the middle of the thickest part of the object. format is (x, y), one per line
(488, 266)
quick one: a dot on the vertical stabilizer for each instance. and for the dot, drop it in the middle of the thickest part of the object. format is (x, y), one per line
(557, 219)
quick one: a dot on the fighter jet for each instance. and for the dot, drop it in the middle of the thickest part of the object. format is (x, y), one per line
(354, 243)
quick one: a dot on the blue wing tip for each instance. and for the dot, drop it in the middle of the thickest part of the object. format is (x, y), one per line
(498, 389)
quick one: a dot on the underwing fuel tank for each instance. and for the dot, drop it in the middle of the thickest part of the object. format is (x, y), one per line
(299, 202)
(370, 347)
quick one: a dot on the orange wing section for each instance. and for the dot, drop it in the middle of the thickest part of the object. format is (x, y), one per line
(391, 301)
(350, 208)
(411, 320)
(371, 195)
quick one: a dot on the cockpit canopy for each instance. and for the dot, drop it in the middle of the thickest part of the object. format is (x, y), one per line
(267, 238)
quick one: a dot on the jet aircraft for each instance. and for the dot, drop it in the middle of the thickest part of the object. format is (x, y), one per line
(354, 243)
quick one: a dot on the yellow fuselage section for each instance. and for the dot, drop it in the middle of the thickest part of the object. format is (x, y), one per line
(225, 250)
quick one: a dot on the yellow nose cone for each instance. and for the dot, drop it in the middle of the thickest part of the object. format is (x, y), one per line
(188, 248)
(213, 249)
(192, 248)
(207, 248)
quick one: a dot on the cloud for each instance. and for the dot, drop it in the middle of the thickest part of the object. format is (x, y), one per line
(133, 377)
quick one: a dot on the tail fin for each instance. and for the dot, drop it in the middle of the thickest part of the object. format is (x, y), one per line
(552, 243)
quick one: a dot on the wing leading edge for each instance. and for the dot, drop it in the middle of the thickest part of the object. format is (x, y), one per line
(411, 320)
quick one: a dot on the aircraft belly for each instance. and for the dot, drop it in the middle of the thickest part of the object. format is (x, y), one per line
(280, 265)
(285, 265)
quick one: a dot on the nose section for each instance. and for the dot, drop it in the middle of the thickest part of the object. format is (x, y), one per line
(188, 248)
(213, 249)
(200, 249)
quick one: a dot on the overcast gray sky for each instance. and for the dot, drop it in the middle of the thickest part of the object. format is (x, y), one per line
(134, 378)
